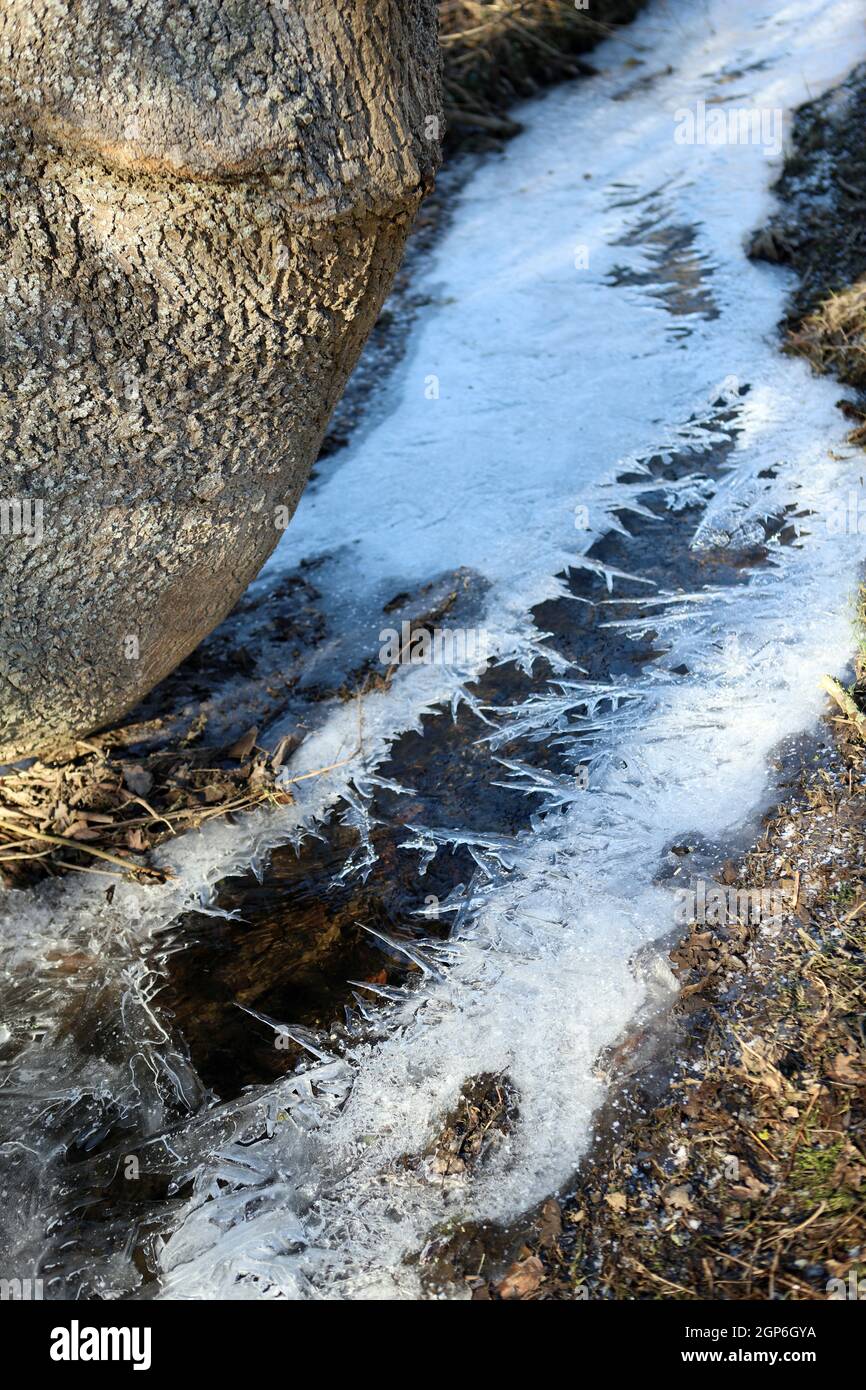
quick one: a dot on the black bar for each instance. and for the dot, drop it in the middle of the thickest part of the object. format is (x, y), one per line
(244, 1337)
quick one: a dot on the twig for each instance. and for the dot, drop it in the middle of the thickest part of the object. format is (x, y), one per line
(65, 842)
(332, 767)
(668, 1283)
(500, 17)
(6, 858)
(845, 703)
(317, 772)
(88, 869)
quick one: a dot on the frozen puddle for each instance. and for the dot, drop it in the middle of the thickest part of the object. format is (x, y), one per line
(599, 359)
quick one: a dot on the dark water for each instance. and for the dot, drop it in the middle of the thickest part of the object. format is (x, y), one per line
(297, 948)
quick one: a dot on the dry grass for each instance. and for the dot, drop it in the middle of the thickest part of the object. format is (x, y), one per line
(833, 336)
(104, 803)
(817, 229)
(497, 51)
(110, 800)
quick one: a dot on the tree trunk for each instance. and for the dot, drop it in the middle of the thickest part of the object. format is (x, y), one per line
(206, 203)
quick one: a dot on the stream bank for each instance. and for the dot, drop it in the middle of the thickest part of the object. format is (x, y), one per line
(737, 1171)
(740, 1173)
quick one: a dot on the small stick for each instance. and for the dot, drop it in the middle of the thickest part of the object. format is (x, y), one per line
(845, 703)
(66, 843)
(6, 858)
(319, 770)
(333, 766)
(88, 869)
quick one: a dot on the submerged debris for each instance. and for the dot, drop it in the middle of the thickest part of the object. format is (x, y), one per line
(485, 1113)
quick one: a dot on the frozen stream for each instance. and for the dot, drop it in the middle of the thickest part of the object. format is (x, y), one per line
(597, 350)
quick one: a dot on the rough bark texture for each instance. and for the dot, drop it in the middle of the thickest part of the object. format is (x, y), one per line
(204, 204)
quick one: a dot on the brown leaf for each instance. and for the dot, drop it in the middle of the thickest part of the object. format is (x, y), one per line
(217, 791)
(283, 750)
(550, 1223)
(617, 1201)
(245, 744)
(80, 830)
(846, 1068)
(748, 1187)
(680, 1198)
(522, 1279)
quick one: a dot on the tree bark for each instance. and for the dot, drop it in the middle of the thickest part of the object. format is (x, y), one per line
(206, 201)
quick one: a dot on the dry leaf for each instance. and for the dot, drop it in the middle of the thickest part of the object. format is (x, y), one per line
(550, 1224)
(80, 830)
(522, 1279)
(680, 1198)
(283, 750)
(748, 1187)
(245, 744)
(847, 1068)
